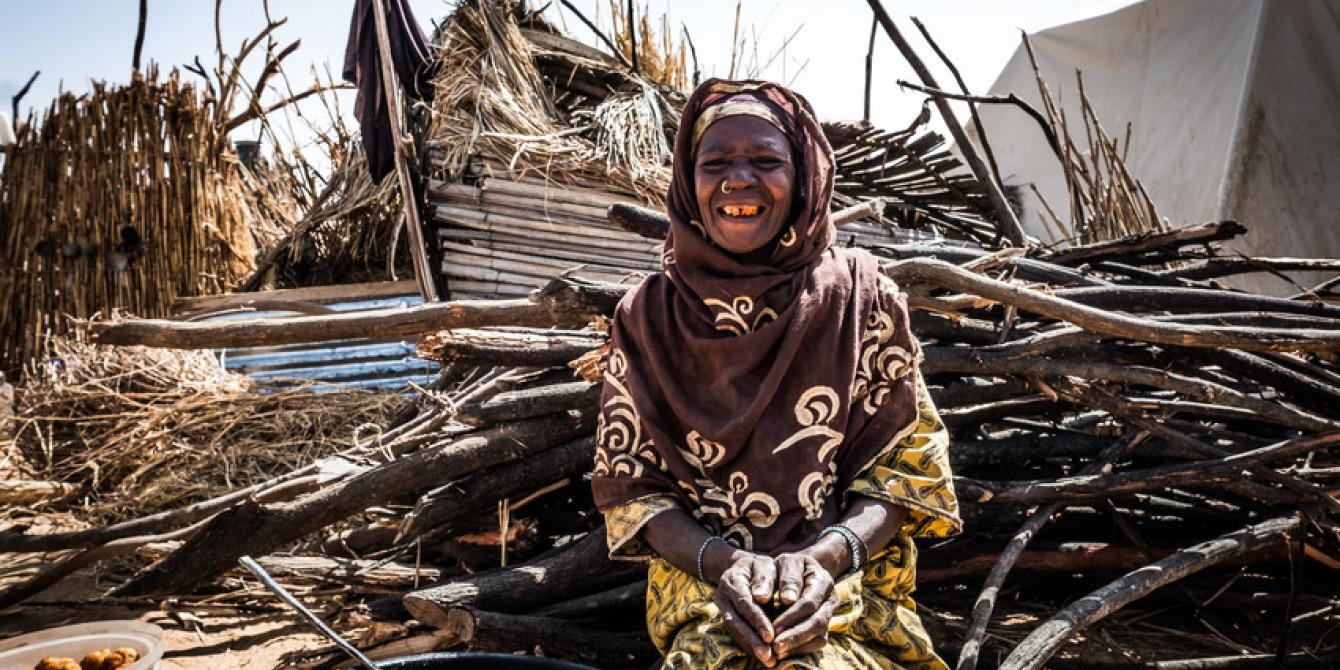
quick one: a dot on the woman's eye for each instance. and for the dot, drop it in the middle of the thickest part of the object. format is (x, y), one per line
(713, 163)
(768, 162)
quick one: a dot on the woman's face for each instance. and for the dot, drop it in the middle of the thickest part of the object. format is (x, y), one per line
(753, 159)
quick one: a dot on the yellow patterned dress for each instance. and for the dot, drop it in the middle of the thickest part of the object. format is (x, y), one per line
(876, 624)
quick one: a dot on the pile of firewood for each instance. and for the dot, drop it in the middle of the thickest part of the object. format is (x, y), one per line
(1169, 426)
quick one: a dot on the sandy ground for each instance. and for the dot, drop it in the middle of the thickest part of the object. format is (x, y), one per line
(225, 637)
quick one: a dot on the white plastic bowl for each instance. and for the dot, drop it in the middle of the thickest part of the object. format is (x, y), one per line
(24, 652)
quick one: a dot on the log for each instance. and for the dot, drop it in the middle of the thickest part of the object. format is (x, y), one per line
(379, 575)
(563, 301)
(256, 529)
(491, 631)
(481, 492)
(628, 597)
(577, 569)
(525, 403)
(1040, 645)
(538, 349)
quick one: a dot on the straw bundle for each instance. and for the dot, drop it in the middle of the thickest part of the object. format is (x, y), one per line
(123, 198)
(491, 100)
(143, 429)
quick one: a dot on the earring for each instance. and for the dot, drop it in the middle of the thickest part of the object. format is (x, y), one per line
(724, 188)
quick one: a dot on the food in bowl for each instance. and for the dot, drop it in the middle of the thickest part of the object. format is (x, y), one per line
(101, 659)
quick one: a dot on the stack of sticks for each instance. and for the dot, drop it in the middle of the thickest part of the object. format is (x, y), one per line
(1142, 430)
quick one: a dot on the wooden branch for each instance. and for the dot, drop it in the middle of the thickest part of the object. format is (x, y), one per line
(575, 570)
(1222, 267)
(1146, 242)
(312, 294)
(1010, 99)
(255, 529)
(1168, 299)
(986, 598)
(565, 301)
(60, 569)
(1080, 487)
(963, 87)
(945, 275)
(67, 565)
(1066, 559)
(13, 539)
(613, 49)
(14, 101)
(1043, 642)
(139, 35)
(1007, 223)
(254, 112)
(869, 69)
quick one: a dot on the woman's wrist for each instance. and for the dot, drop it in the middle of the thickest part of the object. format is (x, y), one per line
(719, 556)
(833, 553)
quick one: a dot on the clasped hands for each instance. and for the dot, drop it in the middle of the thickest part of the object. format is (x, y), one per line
(794, 588)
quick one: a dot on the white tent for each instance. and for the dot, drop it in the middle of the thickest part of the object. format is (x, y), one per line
(1235, 106)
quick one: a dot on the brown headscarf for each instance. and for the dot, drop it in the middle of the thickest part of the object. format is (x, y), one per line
(754, 391)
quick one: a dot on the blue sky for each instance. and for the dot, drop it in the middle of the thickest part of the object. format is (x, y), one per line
(73, 41)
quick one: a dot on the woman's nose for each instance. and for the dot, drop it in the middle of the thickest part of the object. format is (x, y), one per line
(740, 176)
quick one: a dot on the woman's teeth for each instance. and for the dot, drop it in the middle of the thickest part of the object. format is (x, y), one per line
(740, 211)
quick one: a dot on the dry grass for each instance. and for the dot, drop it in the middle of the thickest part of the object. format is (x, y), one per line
(142, 430)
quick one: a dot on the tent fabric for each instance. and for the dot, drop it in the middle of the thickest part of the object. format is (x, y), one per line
(1231, 104)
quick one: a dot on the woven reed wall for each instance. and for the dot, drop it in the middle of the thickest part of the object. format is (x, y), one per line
(124, 198)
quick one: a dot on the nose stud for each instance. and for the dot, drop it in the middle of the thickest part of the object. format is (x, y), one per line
(724, 187)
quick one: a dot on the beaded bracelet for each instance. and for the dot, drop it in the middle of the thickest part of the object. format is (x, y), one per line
(854, 544)
(702, 550)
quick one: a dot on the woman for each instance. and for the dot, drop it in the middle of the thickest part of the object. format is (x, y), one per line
(765, 437)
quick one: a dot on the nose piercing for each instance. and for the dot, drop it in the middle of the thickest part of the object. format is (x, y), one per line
(724, 188)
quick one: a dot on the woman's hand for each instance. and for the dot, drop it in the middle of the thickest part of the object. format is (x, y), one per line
(744, 586)
(805, 590)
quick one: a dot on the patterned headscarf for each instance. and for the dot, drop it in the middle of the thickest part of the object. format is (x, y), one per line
(753, 390)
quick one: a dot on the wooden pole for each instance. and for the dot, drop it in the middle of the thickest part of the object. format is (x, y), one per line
(1008, 223)
(408, 200)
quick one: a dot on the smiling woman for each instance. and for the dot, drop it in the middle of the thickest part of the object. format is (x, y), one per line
(766, 440)
(743, 177)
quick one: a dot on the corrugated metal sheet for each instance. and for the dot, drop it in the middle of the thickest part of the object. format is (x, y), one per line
(335, 364)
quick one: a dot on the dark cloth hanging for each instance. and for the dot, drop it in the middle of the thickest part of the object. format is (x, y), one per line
(410, 59)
